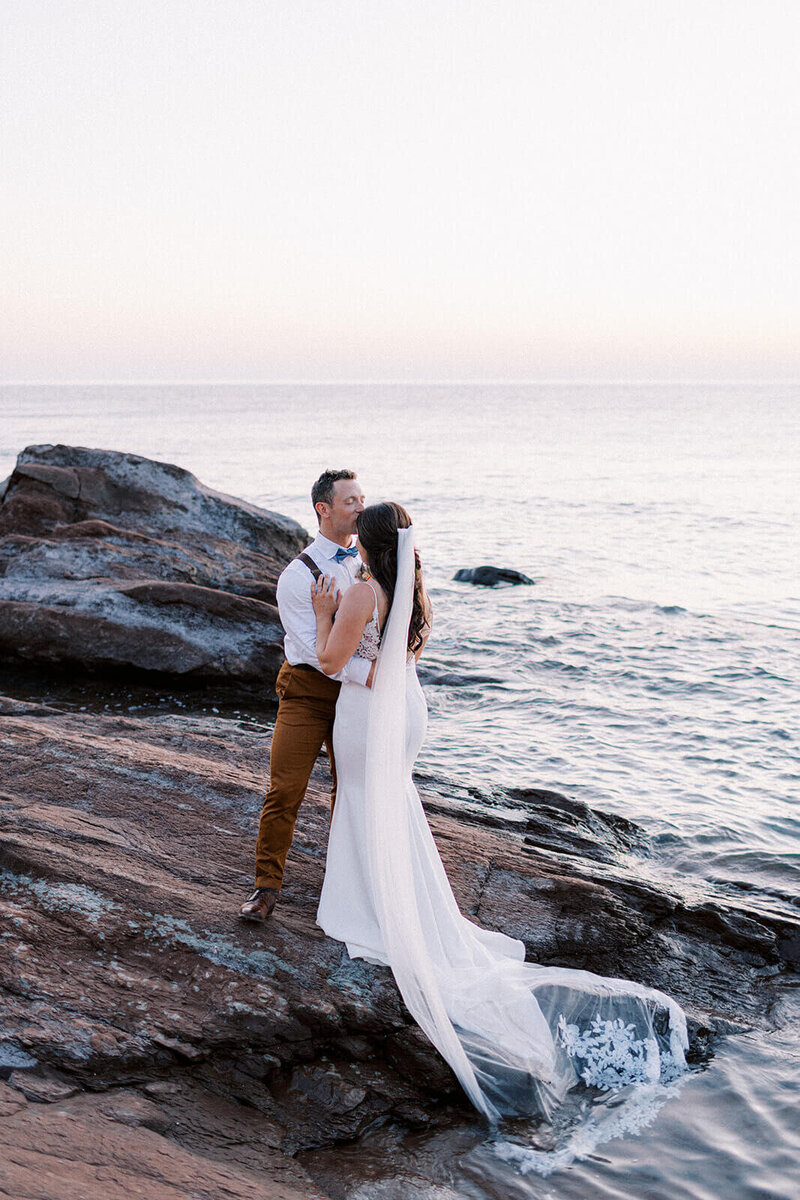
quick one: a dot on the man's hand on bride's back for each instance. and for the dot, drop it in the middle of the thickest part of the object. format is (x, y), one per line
(325, 595)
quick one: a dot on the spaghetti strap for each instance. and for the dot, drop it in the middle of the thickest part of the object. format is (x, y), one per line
(375, 609)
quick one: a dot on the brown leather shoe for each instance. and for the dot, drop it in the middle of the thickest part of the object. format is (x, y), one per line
(260, 905)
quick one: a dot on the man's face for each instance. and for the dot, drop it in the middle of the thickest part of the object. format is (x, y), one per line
(340, 516)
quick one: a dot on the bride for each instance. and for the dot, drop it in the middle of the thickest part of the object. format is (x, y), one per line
(517, 1035)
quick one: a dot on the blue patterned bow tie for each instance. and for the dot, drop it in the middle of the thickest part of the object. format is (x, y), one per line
(341, 554)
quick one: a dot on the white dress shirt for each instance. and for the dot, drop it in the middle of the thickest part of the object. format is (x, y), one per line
(297, 611)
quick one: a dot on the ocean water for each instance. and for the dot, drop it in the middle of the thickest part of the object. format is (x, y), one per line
(652, 670)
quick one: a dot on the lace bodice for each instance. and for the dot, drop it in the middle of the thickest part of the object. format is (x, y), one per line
(370, 642)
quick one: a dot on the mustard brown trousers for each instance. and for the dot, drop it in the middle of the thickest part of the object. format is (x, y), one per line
(306, 709)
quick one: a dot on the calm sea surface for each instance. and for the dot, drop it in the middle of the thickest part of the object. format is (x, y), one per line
(651, 671)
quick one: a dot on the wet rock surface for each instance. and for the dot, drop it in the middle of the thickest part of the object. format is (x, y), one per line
(490, 576)
(111, 562)
(151, 1044)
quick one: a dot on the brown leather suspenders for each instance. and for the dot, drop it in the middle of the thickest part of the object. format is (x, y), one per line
(313, 568)
(308, 561)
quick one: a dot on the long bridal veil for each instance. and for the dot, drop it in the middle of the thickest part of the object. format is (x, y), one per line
(517, 1035)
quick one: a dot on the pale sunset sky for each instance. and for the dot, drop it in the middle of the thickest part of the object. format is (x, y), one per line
(399, 189)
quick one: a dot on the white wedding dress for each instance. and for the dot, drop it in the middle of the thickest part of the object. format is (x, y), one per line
(517, 1035)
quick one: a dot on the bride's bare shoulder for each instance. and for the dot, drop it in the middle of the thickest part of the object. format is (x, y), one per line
(359, 597)
(376, 595)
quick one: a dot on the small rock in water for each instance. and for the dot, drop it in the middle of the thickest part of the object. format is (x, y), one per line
(490, 576)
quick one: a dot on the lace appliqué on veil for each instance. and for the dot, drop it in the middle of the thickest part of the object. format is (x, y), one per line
(612, 1055)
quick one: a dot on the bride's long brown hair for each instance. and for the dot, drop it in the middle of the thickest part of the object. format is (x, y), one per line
(377, 531)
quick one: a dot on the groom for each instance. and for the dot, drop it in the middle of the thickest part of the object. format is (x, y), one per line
(306, 697)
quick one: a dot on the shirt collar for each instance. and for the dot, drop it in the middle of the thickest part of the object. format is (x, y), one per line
(327, 547)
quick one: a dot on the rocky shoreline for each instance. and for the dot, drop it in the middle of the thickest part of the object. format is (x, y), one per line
(151, 1044)
(148, 1033)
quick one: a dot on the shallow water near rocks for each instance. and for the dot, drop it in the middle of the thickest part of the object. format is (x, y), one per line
(706, 1136)
(650, 671)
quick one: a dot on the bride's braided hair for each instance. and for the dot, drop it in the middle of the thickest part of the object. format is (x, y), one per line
(377, 531)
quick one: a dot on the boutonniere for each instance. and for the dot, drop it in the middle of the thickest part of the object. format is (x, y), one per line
(363, 572)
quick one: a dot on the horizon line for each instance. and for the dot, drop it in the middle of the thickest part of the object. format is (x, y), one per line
(560, 381)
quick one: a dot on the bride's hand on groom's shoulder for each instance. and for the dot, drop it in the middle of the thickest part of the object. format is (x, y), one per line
(325, 595)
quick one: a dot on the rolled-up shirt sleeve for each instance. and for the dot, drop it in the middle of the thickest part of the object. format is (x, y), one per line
(294, 596)
(300, 625)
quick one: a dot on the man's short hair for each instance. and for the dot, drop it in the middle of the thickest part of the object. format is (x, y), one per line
(322, 491)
